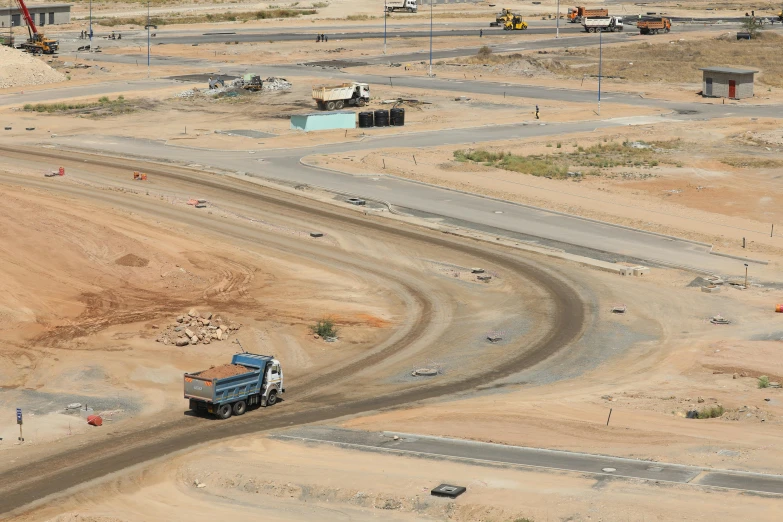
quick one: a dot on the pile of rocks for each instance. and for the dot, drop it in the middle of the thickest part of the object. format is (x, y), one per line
(276, 84)
(196, 328)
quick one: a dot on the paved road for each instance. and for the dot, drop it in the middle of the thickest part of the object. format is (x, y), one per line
(484, 453)
(575, 235)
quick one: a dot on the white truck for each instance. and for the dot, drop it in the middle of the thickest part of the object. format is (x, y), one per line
(401, 5)
(331, 97)
(603, 23)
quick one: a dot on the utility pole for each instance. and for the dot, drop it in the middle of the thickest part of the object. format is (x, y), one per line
(148, 38)
(90, 25)
(431, 2)
(557, 22)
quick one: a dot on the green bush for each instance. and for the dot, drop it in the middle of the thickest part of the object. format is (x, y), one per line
(763, 381)
(324, 328)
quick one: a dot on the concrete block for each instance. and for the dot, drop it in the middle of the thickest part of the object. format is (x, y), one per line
(641, 271)
(710, 289)
(625, 271)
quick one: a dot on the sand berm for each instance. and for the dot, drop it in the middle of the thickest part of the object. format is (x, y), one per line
(19, 69)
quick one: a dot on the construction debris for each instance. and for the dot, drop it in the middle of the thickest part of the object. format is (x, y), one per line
(494, 337)
(196, 328)
(276, 84)
(424, 372)
(619, 309)
(719, 319)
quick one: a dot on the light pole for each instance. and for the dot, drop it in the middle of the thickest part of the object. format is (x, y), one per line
(148, 38)
(431, 2)
(746, 276)
(91, 24)
(385, 14)
(557, 20)
(600, 65)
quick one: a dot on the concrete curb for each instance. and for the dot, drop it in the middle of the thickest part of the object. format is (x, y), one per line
(732, 256)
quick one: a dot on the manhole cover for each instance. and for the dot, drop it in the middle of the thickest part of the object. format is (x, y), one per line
(608, 470)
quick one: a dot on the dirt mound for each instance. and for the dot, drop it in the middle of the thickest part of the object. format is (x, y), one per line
(226, 370)
(19, 69)
(132, 260)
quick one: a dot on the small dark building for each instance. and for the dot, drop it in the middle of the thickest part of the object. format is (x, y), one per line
(725, 82)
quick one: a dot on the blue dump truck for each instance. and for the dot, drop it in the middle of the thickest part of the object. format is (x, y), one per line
(250, 380)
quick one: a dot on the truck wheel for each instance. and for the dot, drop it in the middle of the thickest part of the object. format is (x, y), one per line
(224, 411)
(339, 105)
(360, 102)
(272, 399)
(330, 106)
(240, 407)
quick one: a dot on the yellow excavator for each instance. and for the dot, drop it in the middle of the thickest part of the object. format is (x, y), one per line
(515, 23)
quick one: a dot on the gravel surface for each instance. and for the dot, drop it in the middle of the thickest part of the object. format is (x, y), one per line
(19, 69)
(226, 370)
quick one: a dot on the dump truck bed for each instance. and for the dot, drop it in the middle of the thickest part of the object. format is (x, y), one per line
(332, 93)
(228, 382)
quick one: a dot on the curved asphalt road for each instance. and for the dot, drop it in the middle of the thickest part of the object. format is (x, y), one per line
(573, 234)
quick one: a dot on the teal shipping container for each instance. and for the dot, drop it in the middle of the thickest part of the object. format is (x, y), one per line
(316, 121)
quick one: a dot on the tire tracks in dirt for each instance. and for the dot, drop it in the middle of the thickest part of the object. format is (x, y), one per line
(33, 482)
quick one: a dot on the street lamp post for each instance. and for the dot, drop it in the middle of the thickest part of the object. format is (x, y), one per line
(385, 14)
(148, 38)
(91, 22)
(600, 66)
(746, 276)
(557, 20)
(431, 2)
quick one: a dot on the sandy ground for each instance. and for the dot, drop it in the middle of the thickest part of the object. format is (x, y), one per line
(83, 328)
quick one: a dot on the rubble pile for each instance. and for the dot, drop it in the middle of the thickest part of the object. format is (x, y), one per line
(195, 328)
(276, 84)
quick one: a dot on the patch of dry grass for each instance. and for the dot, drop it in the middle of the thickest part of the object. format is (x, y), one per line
(745, 162)
(665, 60)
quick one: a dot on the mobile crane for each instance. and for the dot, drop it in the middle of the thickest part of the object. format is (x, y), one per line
(37, 43)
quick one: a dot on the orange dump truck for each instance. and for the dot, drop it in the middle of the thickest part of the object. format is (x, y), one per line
(654, 25)
(577, 14)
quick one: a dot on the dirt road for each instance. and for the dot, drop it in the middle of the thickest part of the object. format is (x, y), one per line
(325, 397)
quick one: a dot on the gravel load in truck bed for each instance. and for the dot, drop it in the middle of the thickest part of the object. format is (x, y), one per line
(223, 371)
